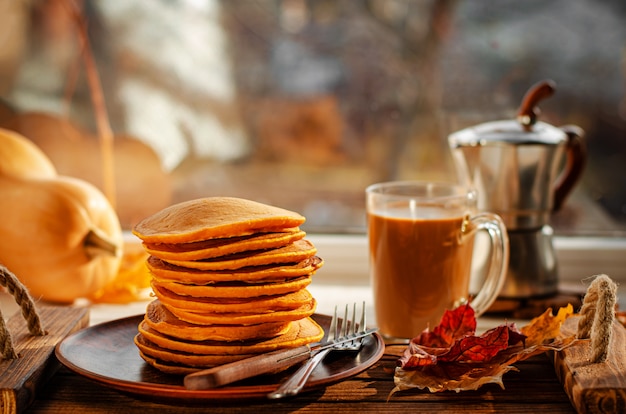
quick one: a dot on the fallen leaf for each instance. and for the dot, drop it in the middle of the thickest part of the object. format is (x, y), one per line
(546, 326)
(478, 348)
(453, 340)
(452, 357)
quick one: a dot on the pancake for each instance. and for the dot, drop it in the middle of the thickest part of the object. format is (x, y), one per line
(167, 367)
(207, 249)
(241, 318)
(292, 253)
(260, 304)
(235, 289)
(164, 271)
(301, 332)
(193, 360)
(214, 217)
(162, 320)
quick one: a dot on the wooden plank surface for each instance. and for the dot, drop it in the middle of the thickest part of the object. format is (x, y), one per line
(22, 378)
(594, 387)
(535, 388)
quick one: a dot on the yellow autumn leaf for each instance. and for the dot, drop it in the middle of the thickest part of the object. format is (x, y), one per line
(547, 326)
(131, 282)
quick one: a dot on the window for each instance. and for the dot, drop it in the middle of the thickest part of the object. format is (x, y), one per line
(302, 104)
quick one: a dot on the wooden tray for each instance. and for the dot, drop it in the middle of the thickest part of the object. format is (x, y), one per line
(593, 387)
(21, 378)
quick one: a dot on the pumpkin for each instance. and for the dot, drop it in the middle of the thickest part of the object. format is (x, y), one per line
(60, 236)
(22, 158)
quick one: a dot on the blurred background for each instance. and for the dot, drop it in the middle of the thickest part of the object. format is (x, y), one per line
(303, 103)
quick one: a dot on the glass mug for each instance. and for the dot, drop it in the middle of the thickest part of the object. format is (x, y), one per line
(421, 244)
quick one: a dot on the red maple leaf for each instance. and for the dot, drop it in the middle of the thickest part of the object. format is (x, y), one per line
(454, 324)
(457, 324)
(480, 348)
(453, 340)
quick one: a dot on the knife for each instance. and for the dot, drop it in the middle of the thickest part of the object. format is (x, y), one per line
(270, 362)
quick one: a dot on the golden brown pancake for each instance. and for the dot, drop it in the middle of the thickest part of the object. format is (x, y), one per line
(162, 320)
(183, 358)
(235, 289)
(241, 318)
(207, 249)
(302, 332)
(214, 217)
(164, 271)
(292, 253)
(167, 367)
(260, 304)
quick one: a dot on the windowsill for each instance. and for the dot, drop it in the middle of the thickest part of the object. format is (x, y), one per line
(346, 261)
(579, 258)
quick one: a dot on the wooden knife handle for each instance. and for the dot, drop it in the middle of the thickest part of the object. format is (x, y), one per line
(261, 364)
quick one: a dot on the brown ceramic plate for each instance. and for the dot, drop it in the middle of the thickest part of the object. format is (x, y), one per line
(105, 353)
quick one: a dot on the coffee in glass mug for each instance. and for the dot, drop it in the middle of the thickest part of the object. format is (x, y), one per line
(421, 245)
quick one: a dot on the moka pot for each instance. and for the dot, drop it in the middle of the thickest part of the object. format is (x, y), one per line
(523, 170)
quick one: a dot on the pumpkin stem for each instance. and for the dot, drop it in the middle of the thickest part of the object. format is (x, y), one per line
(96, 243)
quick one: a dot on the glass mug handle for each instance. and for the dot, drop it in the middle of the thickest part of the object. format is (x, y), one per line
(493, 225)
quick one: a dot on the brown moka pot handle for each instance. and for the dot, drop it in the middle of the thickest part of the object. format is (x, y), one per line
(576, 159)
(528, 111)
(576, 151)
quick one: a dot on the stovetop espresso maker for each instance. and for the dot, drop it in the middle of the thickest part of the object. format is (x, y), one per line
(523, 170)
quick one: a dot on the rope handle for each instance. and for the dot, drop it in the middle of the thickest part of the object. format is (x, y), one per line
(597, 316)
(27, 306)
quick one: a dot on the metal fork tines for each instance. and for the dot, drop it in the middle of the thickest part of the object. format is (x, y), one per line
(337, 331)
(351, 327)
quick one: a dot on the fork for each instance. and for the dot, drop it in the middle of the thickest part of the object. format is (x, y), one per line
(294, 384)
(351, 328)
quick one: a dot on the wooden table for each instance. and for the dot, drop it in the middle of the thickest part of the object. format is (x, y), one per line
(535, 388)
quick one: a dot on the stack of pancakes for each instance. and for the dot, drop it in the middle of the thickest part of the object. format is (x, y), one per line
(230, 278)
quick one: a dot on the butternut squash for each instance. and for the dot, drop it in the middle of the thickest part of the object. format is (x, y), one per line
(59, 235)
(20, 157)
